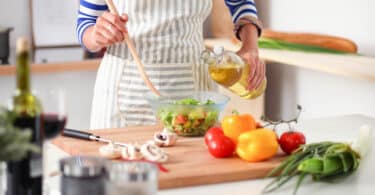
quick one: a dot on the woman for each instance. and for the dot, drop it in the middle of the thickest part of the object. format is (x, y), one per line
(168, 37)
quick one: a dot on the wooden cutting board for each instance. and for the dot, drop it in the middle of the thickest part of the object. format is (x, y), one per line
(189, 162)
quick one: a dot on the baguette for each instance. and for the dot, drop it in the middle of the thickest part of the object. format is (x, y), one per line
(324, 41)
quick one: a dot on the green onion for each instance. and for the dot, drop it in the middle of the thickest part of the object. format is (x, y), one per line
(283, 45)
(323, 161)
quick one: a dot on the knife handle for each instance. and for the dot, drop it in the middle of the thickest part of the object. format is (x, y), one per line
(77, 134)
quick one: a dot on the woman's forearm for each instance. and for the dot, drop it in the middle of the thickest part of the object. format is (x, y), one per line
(245, 19)
(249, 37)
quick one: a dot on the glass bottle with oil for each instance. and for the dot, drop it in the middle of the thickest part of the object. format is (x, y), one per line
(230, 71)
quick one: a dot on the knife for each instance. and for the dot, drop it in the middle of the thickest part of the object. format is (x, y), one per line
(89, 137)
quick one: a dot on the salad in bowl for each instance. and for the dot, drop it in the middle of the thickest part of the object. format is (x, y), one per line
(192, 115)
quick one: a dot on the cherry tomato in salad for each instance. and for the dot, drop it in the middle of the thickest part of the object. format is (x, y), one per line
(219, 145)
(291, 140)
(180, 119)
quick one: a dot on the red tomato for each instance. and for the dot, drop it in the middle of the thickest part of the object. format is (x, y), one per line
(259, 126)
(221, 147)
(291, 140)
(218, 144)
(212, 133)
(180, 119)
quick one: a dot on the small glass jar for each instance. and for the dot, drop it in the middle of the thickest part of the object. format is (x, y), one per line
(132, 178)
(83, 175)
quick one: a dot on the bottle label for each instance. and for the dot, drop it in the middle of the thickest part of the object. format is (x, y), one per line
(36, 165)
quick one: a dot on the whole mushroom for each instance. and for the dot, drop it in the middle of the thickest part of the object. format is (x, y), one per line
(165, 138)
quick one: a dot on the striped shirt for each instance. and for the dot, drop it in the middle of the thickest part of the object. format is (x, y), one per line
(89, 10)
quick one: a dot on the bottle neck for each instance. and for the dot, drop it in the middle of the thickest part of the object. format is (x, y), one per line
(23, 72)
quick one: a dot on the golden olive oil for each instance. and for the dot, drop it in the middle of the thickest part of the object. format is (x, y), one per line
(241, 87)
(225, 75)
(235, 78)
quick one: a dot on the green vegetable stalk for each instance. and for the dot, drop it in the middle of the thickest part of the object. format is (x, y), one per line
(283, 45)
(324, 161)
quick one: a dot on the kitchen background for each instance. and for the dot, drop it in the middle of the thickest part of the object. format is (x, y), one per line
(321, 94)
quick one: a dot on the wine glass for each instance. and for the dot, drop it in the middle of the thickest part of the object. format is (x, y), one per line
(53, 118)
(52, 123)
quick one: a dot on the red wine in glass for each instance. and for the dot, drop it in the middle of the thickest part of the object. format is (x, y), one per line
(52, 124)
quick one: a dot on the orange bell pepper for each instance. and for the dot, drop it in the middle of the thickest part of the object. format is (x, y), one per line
(234, 125)
(257, 145)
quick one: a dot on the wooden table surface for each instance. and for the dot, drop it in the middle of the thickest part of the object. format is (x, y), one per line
(189, 162)
(342, 128)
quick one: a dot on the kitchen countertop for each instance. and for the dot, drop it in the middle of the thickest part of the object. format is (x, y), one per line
(85, 65)
(341, 128)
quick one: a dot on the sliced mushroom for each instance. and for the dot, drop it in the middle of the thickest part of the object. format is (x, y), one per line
(153, 153)
(132, 152)
(165, 138)
(110, 151)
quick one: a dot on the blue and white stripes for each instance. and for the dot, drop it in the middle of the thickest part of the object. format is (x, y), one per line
(241, 8)
(89, 10)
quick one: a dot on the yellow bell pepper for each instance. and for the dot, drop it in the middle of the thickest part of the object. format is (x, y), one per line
(257, 145)
(236, 124)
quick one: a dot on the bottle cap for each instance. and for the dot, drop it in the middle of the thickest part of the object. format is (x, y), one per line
(22, 44)
(132, 171)
(218, 50)
(82, 166)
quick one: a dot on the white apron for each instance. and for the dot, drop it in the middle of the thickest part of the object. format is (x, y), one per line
(169, 39)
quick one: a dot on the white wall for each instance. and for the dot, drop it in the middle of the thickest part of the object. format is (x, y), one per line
(348, 18)
(16, 14)
(78, 87)
(321, 94)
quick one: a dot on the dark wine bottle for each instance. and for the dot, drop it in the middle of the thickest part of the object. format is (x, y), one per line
(24, 177)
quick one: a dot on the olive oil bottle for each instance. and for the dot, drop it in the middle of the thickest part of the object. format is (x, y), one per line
(230, 71)
(241, 86)
(24, 177)
(226, 75)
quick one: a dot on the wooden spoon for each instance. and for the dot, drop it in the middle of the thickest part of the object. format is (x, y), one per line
(134, 53)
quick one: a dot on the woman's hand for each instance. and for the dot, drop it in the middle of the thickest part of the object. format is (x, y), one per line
(257, 69)
(109, 29)
(249, 53)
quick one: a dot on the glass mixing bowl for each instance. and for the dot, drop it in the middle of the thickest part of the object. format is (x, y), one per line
(192, 115)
